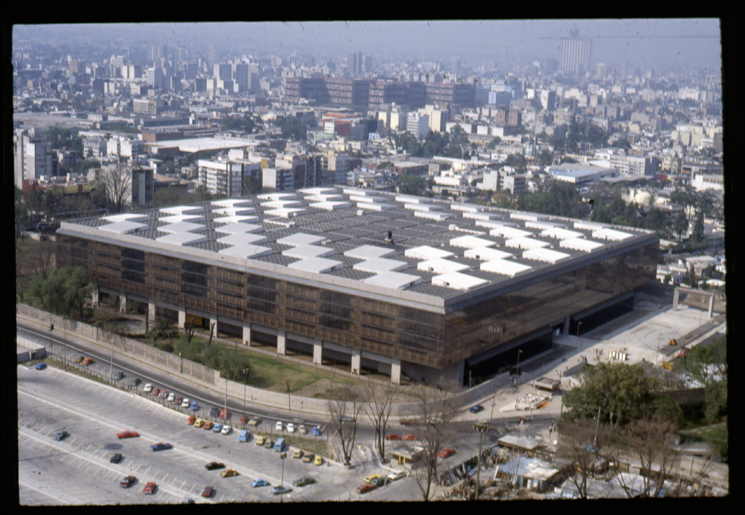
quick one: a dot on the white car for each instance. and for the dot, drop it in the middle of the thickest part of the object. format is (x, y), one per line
(278, 425)
(393, 476)
(226, 430)
(290, 427)
(185, 403)
(148, 388)
(171, 396)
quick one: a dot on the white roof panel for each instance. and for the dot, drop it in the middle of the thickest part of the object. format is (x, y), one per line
(281, 204)
(230, 211)
(395, 280)
(423, 207)
(318, 265)
(301, 238)
(182, 238)
(471, 208)
(533, 217)
(525, 243)
(458, 281)
(238, 228)
(324, 198)
(378, 265)
(410, 199)
(542, 225)
(307, 251)
(440, 266)
(276, 196)
(471, 242)
(181, 210)
(494, 224)
(580, 244)
(329, 205)
(234, 219)
(374, 207)
(369, 252)
(124, 227)
(560, 233)
(318, 191)
(434, 215)
(182, 227)
(482, 216)
(504, 267)
(285, 212)
(611, 234)
(242, 239)
(487, 254)
(589, 226)
(545, 255)
(247, 251)
(425, 252)
(231, 202)
(126, 217)
(509, 232)
(173, 219)
(368, 199)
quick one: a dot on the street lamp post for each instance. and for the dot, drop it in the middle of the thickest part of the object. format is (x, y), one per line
(517, 369)
(578, 324)
(282, 457)
(64, 341)
(245, 385)
(51, 328)
(482, 428)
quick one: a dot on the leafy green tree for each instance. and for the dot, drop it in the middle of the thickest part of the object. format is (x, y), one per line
(413, 185)
(618, 391)
(251, 185)
(61, 291)
(165, 197)
(680, 226)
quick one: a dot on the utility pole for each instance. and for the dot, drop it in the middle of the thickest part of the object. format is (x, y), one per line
(482, 428)
(282, 457)
(597, 424)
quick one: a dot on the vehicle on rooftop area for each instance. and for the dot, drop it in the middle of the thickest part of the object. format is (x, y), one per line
(213, 465)
(161, 446)
(127, 481)
(149, 488)
(61, 435)
(127, 434)
(446, 453)
(115, 458)
(41, 366)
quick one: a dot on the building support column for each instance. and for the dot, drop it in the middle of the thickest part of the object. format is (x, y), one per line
(247, 335)
(676, 296)
(356, 361)
(396, 372)
(122, 303)
(94, 297)
(151, 312)
(182, 318)
(281, 342)
(566, 325)
(711, 306)
(213, 329)
(318, 352)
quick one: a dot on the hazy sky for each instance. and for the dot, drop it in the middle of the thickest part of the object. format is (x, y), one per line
(645, 42)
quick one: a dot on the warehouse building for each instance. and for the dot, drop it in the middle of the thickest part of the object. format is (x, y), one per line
(402, 285)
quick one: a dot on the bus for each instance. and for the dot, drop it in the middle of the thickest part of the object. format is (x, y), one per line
(280, 445)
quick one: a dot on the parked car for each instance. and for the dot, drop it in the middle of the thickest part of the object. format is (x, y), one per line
(208, 425)
(185, 403)
(318, 460)
(410, 438)
(269, 444)
(369, 478)
(134, 381)
(127, 434)
(41, 366)
(226, 430)
(79, 359)
(228, 473)
(306, 480)
(259, 482)
(290, 427)
(127, 481)
(378, 481)
(244, 435)
(476, 408)
(191, 420)
(297, 454)
(407, 421)
(115, 458)
(260, 440)
(178, 400)
(278, 425)
(163, 394)
(308, 457)
(214, 412)
(217, 427)
(364, 488)
(301, 429)
(148, 388)
(61, 435)
(446, 453)
(392, 436)
(161, 446)
(187, 500)
(171, 397)
(244, 419)
(255, 421)
(119, 376)
(213, 465)
(87, 361)
(155, 391)
(316, 431)
(208, 491)
(198, 422)
(394, 476)
(149, 488)
(194, 406)
(277, 490)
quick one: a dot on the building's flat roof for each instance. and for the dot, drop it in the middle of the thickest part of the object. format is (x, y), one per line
(414, 267)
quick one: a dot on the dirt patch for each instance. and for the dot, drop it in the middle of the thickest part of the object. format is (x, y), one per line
(327, 389)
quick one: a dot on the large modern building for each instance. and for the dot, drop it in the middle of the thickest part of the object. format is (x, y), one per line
(407, 286)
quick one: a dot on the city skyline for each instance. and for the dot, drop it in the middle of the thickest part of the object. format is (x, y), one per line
(637, 42)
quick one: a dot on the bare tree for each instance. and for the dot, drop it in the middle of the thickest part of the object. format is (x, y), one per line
(378, 406)
(343, 412)
(584, 446)
(434, 429)
(117, 182)
(647, 440)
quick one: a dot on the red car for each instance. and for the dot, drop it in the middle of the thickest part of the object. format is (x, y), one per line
(155, 390)
(208, 491)
(191, 420)
(392, 436)
(446, 452)
(407, 421)
(149, 488)
(410, 438)
(364, 487)
(127, 434)
(244, 419)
